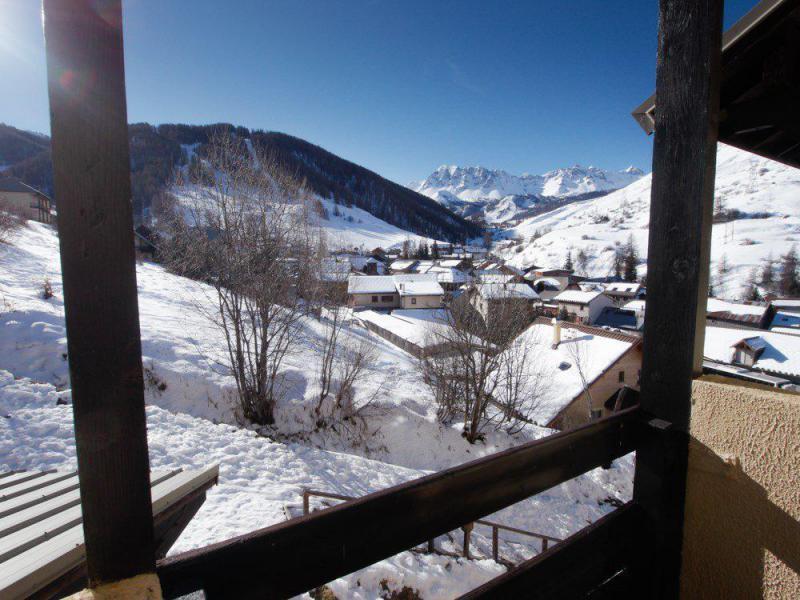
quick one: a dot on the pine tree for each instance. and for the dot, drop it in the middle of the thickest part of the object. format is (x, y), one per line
(789, 283)
(568, 261)
(630, 261)
(768, 273)
(753, 294)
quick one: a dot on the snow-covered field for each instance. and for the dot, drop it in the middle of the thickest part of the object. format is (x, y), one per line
(191, 423)
(766, 193)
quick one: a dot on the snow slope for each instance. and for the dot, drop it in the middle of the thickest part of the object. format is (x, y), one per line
(191, 423)
(502, 196)
(766, 193)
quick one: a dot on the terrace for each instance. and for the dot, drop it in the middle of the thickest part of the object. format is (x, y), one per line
(701, 478)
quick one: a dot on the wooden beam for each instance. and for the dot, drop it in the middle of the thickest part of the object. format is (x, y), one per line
(312, 550)
(684, 163)
(575, 567)
(91, 170)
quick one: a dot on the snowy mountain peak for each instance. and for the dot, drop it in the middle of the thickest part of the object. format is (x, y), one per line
(476, 191)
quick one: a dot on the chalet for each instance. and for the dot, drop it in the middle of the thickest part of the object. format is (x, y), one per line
(395, 291)
(24, 200)
(563, 355)
(623, 291)
(451, 278)
(582, 307)
(374, 291)
(489, 299)
(776, 354)
(419, 293)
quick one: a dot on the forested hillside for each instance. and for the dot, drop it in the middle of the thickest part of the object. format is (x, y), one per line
(157, 150)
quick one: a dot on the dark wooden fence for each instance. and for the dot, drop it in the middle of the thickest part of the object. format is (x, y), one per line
(544, 540)
(292, 557)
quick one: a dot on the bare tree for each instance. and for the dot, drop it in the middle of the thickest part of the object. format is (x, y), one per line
(243, 229)
(485, 376)
(9, 219)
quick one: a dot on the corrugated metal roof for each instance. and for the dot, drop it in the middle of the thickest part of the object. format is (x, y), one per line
(41, 526)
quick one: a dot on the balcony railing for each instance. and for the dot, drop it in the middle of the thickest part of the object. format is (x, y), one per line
(296, 556)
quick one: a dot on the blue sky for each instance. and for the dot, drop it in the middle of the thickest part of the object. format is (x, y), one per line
(397, 86)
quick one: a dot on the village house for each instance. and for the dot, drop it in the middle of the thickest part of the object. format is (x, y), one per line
(563, 276)
(394, 291)
(581, 307)
(624, 291)
(419, 293)
(490, 299)
(563, 355)
(760, 353)
(25, 201)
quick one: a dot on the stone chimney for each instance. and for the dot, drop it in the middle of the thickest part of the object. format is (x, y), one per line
(556, 333)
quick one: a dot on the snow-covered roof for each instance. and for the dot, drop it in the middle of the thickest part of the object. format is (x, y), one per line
(637, 305)
(417, 326)
(371, 284)
(493, 277)
(499, 291)
(715, 305)
(452, 275)
(402, 264)
(548, 283)
(410, 284)
(334, 270)
(781, 352)
(624, 287)
(786, 303)
(451, 262)
(598, 350)
(419, 288)
(577, 296)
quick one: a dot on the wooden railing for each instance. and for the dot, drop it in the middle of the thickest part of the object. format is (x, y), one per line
(295, 556)
(465, 552)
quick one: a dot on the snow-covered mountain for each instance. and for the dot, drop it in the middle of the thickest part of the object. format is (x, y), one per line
(759, 197)
(499, 196)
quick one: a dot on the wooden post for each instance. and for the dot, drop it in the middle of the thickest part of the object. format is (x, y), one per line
(91, 169)
(467, 533)
(544, 544)
(306, 502)
(495, 543)
(684, 162)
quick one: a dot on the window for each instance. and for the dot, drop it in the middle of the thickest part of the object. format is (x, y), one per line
(597, 413)
(386, 298)
(374, 298)
(413, 301)
(622, 376)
